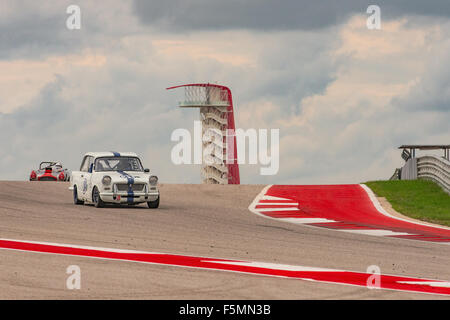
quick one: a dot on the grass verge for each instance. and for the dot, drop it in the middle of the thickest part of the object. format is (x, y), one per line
(418, 199)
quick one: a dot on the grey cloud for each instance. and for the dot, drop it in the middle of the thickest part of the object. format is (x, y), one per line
(29, 32)
(431, 94)
(36, 29)
(124, 105)
(186, 15)
(52, 127)
(235, 14)
(369, 154)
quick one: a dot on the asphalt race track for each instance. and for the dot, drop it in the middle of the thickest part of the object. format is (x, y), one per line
(197, 221)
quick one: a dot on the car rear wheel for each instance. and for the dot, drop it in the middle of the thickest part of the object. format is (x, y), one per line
(98, 202)
(75, 196)
(153, 204)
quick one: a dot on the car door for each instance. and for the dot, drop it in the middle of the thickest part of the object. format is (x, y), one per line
(85, 178)
(88, 179)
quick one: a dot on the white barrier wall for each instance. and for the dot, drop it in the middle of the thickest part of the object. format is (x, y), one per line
(436, 169)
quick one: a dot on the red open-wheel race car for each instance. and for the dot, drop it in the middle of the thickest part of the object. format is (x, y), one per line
(50, 171)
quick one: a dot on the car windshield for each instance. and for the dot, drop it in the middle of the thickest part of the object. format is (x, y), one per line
(118, 164)
(44, 165)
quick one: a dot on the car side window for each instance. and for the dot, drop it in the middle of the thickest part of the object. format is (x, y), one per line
(85, 164)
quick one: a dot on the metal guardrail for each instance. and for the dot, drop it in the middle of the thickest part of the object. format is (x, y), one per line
(436, 169)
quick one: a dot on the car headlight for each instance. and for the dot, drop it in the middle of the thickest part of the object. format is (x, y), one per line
(106, 180)
(153, 180)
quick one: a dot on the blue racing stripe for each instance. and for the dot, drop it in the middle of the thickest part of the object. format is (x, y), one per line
(130, 182)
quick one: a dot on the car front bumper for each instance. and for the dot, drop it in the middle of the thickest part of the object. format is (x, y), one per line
(124, 197)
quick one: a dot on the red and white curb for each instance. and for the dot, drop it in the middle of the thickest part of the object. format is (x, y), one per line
(333, 276)
(346, 208)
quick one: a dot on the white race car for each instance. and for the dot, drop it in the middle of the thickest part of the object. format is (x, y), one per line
(113, 177)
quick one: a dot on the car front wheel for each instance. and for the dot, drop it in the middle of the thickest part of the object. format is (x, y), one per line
(98, 202)
(153, 204)
(75, 196)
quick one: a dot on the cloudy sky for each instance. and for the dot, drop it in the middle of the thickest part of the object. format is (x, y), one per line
(343, 97)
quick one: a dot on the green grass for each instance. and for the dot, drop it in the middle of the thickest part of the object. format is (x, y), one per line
(418, 199)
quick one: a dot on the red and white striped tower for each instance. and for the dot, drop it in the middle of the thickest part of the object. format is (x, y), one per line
(216, 113)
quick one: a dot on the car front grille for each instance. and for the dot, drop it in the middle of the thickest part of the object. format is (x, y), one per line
(47, 178)
(137, 187)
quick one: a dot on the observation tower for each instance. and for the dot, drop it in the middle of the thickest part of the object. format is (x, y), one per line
(219, 151)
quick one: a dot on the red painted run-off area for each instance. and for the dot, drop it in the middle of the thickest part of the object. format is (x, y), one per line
(349, 206)
(267, 269)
